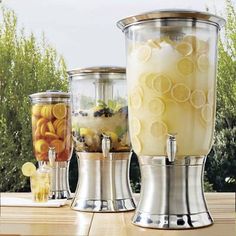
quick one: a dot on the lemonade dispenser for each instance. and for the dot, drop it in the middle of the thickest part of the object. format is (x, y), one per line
(171, 74)
(52, 142)
(101, 139)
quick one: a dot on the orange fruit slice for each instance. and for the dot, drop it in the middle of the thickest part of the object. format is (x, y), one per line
(43, 129)
(36, 109)
(184, 48)
(198, 98)
(51, 135)
(46, 111)
(28, 169)
(185, 66)
(161, 84)
(158, 129)
(143, 53)
(180, 92)
(61, 131)
(58, 145)
(41, 121)
(41, 146)
(203, 62)
(59, 110)
(50, 127)
(156, 106)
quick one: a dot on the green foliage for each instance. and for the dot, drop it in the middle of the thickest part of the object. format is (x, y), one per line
(26, 67)
(221, 163)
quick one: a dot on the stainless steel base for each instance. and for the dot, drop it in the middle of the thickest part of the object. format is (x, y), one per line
(103, 184)
(172, 194)
(60, 181)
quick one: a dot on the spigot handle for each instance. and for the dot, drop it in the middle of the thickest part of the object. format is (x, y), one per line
(171, 147)
(52, 156)
(106, 145)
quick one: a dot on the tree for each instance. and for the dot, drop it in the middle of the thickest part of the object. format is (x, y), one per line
(26, 67)
(221, 163)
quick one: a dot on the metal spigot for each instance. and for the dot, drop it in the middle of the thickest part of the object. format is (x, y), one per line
(171, 147)
(52, 156)
(106, 145)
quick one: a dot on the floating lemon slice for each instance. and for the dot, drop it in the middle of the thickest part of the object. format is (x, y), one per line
(28, 169)
(202, 46)
(185, 66)
(210, 97)
(59, 110)
(136, 99)
(143, 53)
(161, 84)
(192, 39)
(136, 144)
(184, 48)
(154, 43)
(167, 40)
(158, 129)
(146, 79)
(207, 113)
(198, 98)
(180, 92)
(203, 62)
(156, 106)
(135, 126)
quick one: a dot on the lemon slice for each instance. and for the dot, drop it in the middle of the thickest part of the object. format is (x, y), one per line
(185, 66)
(158, 129)
(207, 113)
(153, 43)
(192, 39)
(198, 98)
(135, 126)
(143, 53)
(166, 39)
(184, 48)
(28, 169)
(156, 106)
(210, 97)
(202, 46)
(180, 92)
(161, 84)
(136, 99)
(136, 144)
(203, 62)
(147, 79)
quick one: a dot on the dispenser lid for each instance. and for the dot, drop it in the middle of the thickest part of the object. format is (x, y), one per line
(50, 94)
(109, 72)
(171, 14)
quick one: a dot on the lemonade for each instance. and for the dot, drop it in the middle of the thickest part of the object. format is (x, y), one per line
(171, 84)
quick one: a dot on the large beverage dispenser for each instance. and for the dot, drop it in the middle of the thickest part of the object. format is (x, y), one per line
(52, 142)
(101, 139)
(171, 74)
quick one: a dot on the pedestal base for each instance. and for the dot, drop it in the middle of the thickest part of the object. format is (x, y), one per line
(172, 194)
(103, 184)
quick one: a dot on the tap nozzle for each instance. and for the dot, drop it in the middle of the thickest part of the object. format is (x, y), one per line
(52, 156)
(171, 147)
(106, 145)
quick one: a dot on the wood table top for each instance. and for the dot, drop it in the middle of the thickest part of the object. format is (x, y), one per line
(65, 222)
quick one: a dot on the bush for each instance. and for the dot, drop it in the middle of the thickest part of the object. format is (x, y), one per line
(26, 67)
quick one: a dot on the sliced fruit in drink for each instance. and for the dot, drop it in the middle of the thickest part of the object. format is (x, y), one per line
(41, 146)
(203, 62)
(51, 135)
(192, 39)
(28, 169)
(153, 43)
(112, 135)
(85, 132)
(207, 113)
(136, 144)
(135, 126)
(184, 48)
(43, 129)
(198, 98)
(41, 121)
(143, 53)
(136, 99)
(147, 79)
(58, 145)
(36, 109)
(50, 127)
(161, 84)
(59, 110)
(202, 46)
(46, 112)
(180, 92)
(185, 66)
(156, 106)
(158, 129)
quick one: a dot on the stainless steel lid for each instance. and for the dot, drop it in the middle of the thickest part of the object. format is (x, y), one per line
(54, 94)
(171, 14)
(109, 72)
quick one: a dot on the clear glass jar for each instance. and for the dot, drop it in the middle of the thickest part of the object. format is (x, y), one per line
(99, 109)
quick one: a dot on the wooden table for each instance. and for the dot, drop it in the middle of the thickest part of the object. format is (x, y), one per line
(64, 221)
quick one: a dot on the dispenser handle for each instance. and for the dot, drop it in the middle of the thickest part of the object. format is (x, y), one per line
(106, 145)
(171, 147)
